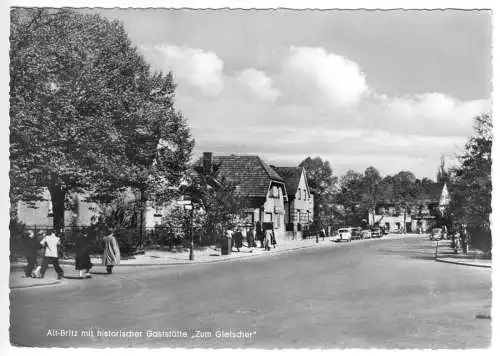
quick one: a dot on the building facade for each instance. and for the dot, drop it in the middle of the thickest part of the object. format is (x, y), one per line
(299, 209)
(262, 187)
(421, 217)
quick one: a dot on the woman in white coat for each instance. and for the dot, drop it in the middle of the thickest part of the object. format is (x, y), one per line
(111, 255)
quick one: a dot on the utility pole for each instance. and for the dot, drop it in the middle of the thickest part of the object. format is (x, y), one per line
(191, 246)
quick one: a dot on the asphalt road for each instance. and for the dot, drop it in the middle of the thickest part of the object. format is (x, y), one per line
(370, 294)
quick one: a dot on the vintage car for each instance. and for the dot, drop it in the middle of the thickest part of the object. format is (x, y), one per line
(366, 234)
(436, 234)
(356, 233)
(344, 234)
(376, 232)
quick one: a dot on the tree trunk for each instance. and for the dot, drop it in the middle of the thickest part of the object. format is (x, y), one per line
(57, 196)
(404, 221)
(142, 207)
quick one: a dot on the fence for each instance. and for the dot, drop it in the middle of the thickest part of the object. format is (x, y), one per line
(129, 239)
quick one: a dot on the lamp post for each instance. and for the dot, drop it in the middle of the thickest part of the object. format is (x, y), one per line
(191, 245)
(187, 202)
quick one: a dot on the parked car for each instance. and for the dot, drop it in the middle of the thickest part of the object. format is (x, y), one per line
(344, 235)
(436, 234)
(376, 232)
(356, 233)
(366, 234)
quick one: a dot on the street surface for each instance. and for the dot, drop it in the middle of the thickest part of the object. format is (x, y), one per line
(368, 294)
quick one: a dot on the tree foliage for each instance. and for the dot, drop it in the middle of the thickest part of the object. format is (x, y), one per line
(221, 204)
(472, 185)
(443, 176)
(86, 111)
(321, 179)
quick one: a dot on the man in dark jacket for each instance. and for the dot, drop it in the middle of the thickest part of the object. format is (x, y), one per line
(31, 247)
(259, 231)
(238, 239)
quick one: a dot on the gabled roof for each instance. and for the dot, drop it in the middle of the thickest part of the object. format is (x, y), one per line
(250, 173)
(291, 175)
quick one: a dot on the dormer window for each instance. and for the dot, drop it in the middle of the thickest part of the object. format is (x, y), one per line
(298, 191)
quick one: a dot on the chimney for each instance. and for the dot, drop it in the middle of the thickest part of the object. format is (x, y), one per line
(207, 163)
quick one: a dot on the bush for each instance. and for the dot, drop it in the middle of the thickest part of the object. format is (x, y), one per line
(126, 239)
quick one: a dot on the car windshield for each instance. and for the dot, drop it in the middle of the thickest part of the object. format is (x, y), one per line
(343, 230)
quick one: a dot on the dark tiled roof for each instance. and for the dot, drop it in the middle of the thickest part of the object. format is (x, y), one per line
(291, 175)
(250, 173)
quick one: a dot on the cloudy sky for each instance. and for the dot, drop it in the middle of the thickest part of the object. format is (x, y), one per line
(389, 89)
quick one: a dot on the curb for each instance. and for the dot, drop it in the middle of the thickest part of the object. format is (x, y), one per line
(36, 285)
(270, 253)
(461, 263)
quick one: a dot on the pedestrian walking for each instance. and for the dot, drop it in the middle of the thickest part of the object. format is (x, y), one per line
(268, 238)
(251, 238)
(111, 255)
(238, 239)
(444, 232)
(260, 233)
(273, 238)
(456, 241)
(82, 255)
(31, 247)
(40, 256)
(465, 238)
(52, 245)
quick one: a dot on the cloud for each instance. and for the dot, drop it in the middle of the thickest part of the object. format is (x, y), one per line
(260, 84)
(199, 68)
(434, 114)
(337, 79)
(325, 108)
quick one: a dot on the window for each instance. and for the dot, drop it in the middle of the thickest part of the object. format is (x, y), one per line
(248, 219)
(305, 194)
(158, 211)
(274, 192)
(298, 191)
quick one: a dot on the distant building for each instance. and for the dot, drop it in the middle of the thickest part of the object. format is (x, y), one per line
(421, 217)
(39, 214)
(80, 212)
(299, 209)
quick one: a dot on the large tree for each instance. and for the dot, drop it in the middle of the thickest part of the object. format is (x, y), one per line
(406, 192)
(372, 192)
(86, 111)
(443, 176)
(219, 199)
(321, 179)
(351, 197)
(471, 183)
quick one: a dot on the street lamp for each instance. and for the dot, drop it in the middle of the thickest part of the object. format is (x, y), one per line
(186, 201)
(191, 244)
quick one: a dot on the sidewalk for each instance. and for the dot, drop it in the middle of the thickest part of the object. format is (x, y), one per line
(208, 254)
(204, 255)
(474, 258)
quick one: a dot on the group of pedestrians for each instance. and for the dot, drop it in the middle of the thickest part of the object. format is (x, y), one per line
(42, 253)
(461, 239)
(262, 232)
